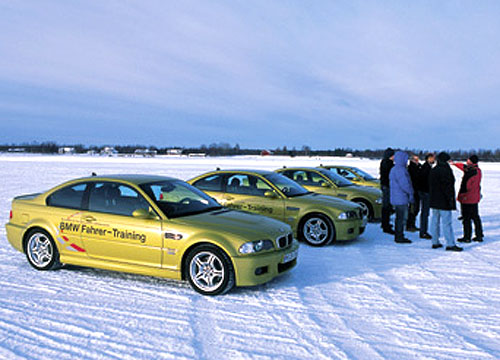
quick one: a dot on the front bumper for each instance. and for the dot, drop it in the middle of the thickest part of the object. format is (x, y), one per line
(349, 229)
(377, 210)
(260, 268)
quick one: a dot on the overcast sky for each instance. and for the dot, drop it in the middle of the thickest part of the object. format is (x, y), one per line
(358, 74)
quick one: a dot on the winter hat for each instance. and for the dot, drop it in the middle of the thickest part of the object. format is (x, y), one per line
(444, 157)
(474, 159)
(389, 152)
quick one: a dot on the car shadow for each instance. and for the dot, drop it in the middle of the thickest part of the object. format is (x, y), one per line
(372, 252)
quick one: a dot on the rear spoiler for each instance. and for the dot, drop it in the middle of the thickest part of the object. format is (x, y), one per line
(27, 196)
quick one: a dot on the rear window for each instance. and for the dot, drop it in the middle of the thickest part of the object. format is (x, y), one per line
(70, 197)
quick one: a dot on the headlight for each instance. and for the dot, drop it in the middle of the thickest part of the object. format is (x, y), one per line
(348, 215)
(343, 216)
(256, 246)
(378, 201)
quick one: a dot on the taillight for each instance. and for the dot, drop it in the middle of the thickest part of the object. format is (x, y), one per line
(10, 215)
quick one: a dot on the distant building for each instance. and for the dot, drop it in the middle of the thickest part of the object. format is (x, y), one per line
(16, 150)
(145, 152)
(197, 155)
(266, 153)
(174, 152)
(66, 150)
(92, 152)
(349, 155)
(109, 151)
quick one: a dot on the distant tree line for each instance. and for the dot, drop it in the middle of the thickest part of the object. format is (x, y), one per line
(225, 149)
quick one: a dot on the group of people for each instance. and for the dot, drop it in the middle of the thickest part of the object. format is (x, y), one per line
(410, 187)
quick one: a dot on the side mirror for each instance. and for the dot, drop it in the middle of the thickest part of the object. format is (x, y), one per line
(143, 214)
(325, 184)
(270, 194)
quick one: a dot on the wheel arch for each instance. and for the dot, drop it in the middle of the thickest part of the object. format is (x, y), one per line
(40, 225)
(367, 203)
(193, 246)
(312, 213)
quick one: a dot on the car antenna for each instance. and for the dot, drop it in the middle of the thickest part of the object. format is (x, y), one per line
(94, 174)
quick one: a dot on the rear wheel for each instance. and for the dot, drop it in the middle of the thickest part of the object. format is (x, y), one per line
(41, 250)
(209, 270)
(317, 230)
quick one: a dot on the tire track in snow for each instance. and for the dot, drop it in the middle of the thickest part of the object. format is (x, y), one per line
(427, 312)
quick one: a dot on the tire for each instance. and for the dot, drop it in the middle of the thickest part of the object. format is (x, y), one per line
(209, 270)
(367, 208)
(41, 251)
(317, 230)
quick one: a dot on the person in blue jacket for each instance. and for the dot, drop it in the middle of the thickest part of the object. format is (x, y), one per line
(401, 194)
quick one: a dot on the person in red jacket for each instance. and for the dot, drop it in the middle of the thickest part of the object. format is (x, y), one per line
(469, 196)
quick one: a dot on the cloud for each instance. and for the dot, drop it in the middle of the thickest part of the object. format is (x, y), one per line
(323, 73)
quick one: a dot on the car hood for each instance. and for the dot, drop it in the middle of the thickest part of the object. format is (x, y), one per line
(237, 222)
(324, 200)
(361, 190)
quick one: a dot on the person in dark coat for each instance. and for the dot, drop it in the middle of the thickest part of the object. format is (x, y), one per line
(386, 165)
(442, 202)
(423, 194)
(413, 169)
(469, 196)
(401, 190)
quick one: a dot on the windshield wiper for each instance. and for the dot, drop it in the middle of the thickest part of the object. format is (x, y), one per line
(201, 211)
(300, 194)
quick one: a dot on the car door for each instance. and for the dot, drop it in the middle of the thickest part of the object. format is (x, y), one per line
(64, 210)
(247, 192)
(110, 231)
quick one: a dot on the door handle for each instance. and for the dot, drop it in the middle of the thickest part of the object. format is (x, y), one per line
(89, 218)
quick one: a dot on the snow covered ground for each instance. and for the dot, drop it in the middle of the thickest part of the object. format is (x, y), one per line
(367, 299)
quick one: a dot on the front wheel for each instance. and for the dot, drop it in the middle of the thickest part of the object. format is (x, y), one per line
(41, 250)
(366, 208)
(209, 270)
(317, 230)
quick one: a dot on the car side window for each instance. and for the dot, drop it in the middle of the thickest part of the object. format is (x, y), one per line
(70, 197)
(307, 178)
(210, 183)
(114, 198)
(246, 185)
(298, 176)
(315, 178)
(349, 175)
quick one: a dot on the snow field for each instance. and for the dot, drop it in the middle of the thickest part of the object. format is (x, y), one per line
(365, 299)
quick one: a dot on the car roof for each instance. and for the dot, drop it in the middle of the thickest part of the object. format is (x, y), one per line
(259, 172)
(337, 166)
(130, 178)
(302, 168)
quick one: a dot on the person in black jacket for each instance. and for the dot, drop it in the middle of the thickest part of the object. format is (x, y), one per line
(385, 168)
(423, 194)
(442, 202)
(414, 208)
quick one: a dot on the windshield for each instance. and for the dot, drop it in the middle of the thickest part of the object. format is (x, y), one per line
(288, 187)
(364, 174)
(177, 198)
(337, 179)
